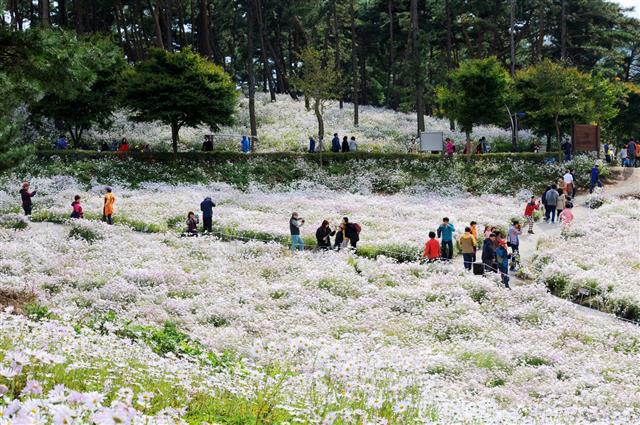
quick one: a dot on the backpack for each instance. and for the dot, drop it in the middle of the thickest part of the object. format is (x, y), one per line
(357, 227)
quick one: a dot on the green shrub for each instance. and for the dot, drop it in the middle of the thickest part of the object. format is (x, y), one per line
(37, 311)
(13, 221)
(84, 232)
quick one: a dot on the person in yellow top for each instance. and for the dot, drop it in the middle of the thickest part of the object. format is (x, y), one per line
(474, 233)
(467, 246)
(107, 210)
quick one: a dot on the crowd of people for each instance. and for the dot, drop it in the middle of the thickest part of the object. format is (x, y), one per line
(628, 153)
(556, 202)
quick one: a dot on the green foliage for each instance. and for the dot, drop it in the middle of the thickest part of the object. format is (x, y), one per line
(88, 76)
(37, 311)
(84, 232)
(179, 88)
(479, 91)
(626, 124)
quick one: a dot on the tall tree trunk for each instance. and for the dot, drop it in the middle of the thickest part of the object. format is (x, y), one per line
(391, 78)
(204, 42)
(452, 123)
(267, 68)
(541, 29)
(252, 77)
(44, 12)
(317, 107)
(418, 77)
(78, 16)
(336, 45)
(63, 13)
(563, 31)
(175, 137)
(156, 19)
(168, 25)
(512, 37)
(182, 34)
(354, 63)
(193, 22)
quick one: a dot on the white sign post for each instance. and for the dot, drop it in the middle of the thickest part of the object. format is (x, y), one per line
(431, 141)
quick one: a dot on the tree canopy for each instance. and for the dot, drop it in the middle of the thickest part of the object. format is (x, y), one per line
(179, 88)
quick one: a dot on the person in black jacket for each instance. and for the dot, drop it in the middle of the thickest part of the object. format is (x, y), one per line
(206, 207)
(337, 244)
(26, 196)
(351, 232)
(345, 144)
(489, 253)
(323, 235)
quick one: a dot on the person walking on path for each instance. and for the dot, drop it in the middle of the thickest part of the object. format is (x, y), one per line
(345, 145)
(25, 196)
(502, 258)
(552, 201)
(445, 232)
(76, 208)
(513, 241)
(295, 223)
(351, 232)
(595, 178)
(573, 184)
(632, 152)
(335, 143)
(468, 247)
(566, 148)
(532, 206)
(206, 207)
(567, 215)
(353, 145)
(474, 232)
(568, 183)
(431, 248)
(108, 207)
(323, 235)
(562, 202)
(488, 253)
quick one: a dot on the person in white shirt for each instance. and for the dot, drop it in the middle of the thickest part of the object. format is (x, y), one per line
(568, 183)
(353, 146)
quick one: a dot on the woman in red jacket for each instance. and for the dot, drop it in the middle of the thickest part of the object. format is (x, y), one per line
(532, 205)
(432, 248)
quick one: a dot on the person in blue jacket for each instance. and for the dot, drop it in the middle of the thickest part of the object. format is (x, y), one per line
(445, 232)
(206, 207)
(502, 257)
(312, 144)
(335, 143)
(246, 146)
(595, 178)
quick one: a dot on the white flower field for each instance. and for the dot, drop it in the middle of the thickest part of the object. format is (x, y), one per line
(148, 327)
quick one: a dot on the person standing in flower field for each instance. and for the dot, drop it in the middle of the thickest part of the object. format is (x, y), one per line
(449, 147)
(552, 201)
(353, 146)
(445, 232)
(513, 241)
(76, 211)
(351, 232)
(192, 224)
(532, 206)
(502, 258)
(108, 207)
(474, 232)
(323, 235)
(431, 248)
(345, 145)
(25, 196)
(206, 207)
(566, 217)
(295, 223)
(468, 247)
(488, 252)
(595, 178)
(335, 143)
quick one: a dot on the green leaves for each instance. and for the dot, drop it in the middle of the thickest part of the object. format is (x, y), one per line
(180, 88)
(479, 90)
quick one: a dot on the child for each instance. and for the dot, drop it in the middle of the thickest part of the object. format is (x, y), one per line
(532, 205)
(77, 208)
(26, 196)
(566, 216)
(192, 224)
(432, 248)
(502, 256)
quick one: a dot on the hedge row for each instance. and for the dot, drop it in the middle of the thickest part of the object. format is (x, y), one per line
(328, 157)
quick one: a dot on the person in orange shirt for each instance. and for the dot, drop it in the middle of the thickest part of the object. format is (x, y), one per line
(107, 210)
(432, 248)
(474, 233)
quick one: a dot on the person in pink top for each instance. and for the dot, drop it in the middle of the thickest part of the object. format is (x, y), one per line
(566, 216)
(449, 148)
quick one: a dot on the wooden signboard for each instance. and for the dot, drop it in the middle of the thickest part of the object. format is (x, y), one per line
(585, 138)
